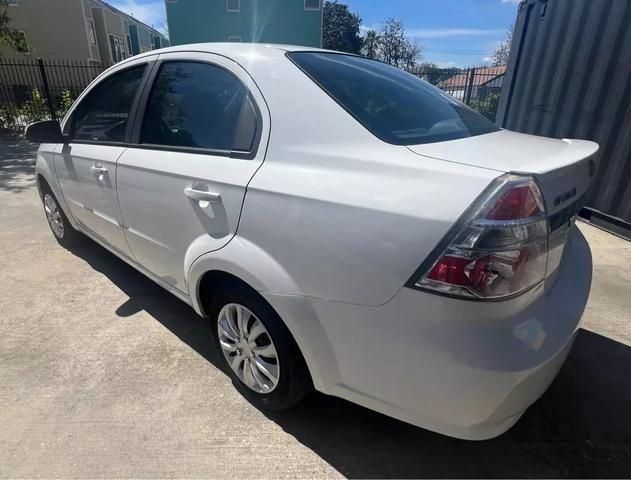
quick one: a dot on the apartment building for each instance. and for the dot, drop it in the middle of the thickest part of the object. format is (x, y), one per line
(297, 22)
(89, 30)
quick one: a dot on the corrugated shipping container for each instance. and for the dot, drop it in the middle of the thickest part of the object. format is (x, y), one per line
(569, 76)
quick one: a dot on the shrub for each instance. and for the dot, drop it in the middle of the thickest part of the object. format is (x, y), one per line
(488, 106)
(35, 109)
(65, 102)
(9, 125)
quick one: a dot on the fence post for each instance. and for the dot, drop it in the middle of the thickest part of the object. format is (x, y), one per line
(469, 89)
(49, 99)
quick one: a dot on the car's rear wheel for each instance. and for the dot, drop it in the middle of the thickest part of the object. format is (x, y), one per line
(64, 233)
(257, 350)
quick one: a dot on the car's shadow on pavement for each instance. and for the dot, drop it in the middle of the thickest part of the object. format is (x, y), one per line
(580, 428)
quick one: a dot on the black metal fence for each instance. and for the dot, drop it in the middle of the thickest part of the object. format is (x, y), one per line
(479, 87)
(36, 89)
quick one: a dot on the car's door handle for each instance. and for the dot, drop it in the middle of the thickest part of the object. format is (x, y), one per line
(210, 197)
(98, 170)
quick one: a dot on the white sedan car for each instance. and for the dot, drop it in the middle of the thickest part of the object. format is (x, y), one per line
(344, 225)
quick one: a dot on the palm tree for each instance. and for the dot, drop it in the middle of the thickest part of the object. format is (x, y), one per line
(371, 44)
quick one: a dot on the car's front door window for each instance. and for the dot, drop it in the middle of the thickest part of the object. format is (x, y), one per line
(103, 114)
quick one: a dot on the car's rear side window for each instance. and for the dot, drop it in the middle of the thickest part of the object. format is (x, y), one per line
(199, 105)
(394, 105)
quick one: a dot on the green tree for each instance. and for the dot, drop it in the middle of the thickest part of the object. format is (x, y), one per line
(396, 49)
(430, 72)
(340, 28)
(502, 53)
(428, 66)
(9, 36)
(372, 39)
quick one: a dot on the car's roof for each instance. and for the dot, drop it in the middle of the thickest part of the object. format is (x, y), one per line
(231, 49)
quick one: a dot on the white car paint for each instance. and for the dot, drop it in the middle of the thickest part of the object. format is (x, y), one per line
(461, 368)
(553, 161)
(151, 185)
(328, 223)
(79, 168)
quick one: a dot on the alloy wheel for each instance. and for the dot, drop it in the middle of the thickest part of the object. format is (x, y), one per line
(53, 215)
(248, 348)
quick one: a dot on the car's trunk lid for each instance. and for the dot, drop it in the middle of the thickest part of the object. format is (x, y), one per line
(563, 168)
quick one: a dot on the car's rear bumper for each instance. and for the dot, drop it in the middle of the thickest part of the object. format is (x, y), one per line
(463, 368)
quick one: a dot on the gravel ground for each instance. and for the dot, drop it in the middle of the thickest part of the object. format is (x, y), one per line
(104, 374)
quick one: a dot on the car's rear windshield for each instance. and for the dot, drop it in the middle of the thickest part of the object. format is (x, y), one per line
(394, 105)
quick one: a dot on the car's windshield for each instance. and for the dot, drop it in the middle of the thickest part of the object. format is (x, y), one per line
(394, 105)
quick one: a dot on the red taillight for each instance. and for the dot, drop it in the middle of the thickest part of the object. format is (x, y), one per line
(502, 248)
(450, 270)
(461, 271)
(516, 203)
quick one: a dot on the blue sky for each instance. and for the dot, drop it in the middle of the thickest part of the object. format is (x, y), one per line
(452, 32)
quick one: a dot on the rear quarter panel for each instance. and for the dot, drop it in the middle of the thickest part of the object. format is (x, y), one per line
(345, 215)
(346, 228)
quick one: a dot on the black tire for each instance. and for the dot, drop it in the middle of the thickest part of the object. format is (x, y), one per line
(67, 236)
(294, 380)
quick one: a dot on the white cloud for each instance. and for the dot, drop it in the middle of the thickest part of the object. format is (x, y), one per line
(487, 59)
(152, 13)
(514, 2)
(451, 32)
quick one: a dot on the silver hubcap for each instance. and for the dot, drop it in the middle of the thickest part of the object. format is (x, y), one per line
(248, 348)
(53, 215)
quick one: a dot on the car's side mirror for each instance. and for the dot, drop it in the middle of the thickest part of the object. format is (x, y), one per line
(45, 131)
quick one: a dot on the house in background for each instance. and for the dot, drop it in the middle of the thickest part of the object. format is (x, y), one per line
(475, 83)
(89, 30)
(297, 22)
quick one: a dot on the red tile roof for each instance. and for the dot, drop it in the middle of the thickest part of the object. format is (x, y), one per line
(481, 75)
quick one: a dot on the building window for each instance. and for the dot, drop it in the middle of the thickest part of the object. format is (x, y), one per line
(116, 48)
(91, 32)
(128, 42)
(135, 40)
(312, 4)
(155, 39)
(145, 39)
(234, 39)
(19, 41)
(233, 5)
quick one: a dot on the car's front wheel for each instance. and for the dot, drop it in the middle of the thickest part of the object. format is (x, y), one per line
(259, 353)
(64, 233)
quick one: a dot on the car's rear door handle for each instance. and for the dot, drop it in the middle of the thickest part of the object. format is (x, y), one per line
(210, 197)
(98, 170)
